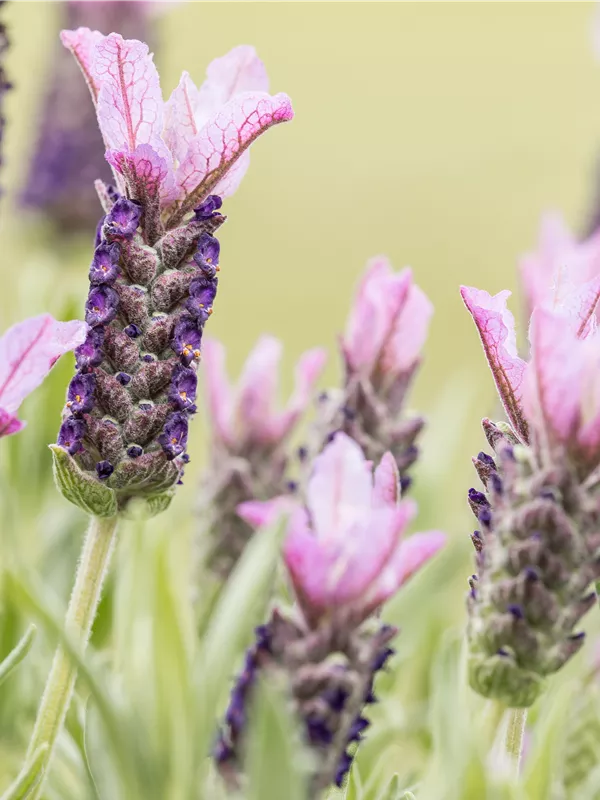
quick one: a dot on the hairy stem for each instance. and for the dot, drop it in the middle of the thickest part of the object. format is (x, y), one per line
(517, 717)
(95, 556)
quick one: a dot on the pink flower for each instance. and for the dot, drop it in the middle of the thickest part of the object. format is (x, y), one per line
(561, 267)
(344, 551)
(388, 323)
(28, 351)
(250, 414)
(176, 153)
(554, 399)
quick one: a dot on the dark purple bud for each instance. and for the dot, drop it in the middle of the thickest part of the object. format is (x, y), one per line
(185, 458)
(202, 295)
(89, 354)
(101, 306)
(134, 451)
(207, 254)
(105, 264)
(104, 469)
(487, 460)
(133, 331)
(478, 498)
(516, 611)
(318, 732)
(405, 483)
(302, 453)
(344, 765)
(123, 378)
(123, 219)
(80, 396)
(358, 726)
(485, 517)
(70, 434)
(382, 657)
(186, 340)
(208, 208)
(173, 439)
(496, 482)
(182, 391)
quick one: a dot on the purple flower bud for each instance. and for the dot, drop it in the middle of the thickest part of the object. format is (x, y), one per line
(208, 208)
(104, 469)
(123, 219)
(133, 331)
(80, 396)
(149, 357)
(202, 295)
(71, 433)
(101, 306)
(207, 252)
(182, 391)
(123, 378)
(105, 264)
(186, 339)
(134, 451)
(89, 354)
(173, 439)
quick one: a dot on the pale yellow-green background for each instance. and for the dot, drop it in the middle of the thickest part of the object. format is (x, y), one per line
(435, 133)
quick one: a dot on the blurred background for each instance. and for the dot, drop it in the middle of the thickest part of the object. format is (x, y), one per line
(436, 133)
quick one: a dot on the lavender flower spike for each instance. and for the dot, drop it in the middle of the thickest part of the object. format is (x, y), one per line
(250, 436)
(381, 348)
(538, 537)
(154, 272)
(345, 556)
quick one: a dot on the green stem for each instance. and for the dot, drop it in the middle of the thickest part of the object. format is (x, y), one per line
(95, 556)
(517, 717)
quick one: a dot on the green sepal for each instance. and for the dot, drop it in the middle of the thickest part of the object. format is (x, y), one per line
(498, 677)
(81, 489)
(142, 508)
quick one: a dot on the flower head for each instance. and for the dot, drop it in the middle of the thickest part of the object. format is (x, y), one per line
(344, 551)
(28, 351)
(250, 415)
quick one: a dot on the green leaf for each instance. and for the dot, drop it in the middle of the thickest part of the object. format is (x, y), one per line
(393, 790)
(14, 658)
(29, 776)
(143, 508)
(276, 762)
(354, 789)
(81, 489)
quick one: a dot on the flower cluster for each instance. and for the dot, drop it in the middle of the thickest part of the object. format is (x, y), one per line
(345, 557)
(28, 351)
(153, 276)
(249, 437)
(68, 155)
(539, 515)
(381, 348)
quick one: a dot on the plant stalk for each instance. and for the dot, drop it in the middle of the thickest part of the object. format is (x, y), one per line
(517, 717)
(83, 605)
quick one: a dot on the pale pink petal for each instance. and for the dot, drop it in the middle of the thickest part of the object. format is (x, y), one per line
(130, 105)
(496, 326)
(9, 424)
(553, 385)
(223, 140)
(29, 350)
(230, 182)
(386, 485)
(580, 307)
(381, 293)
(180, 122)
(240, 70)
(149, 177)
(339, 489)
(308, 370)
(410, 555)
(588, 435)
(308, 565)
(262, 513)
(257, 389)
(404, 347)
(82, 44)
(219, 391)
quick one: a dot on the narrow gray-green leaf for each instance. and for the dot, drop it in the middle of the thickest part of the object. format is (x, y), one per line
(14, 658)
(393, 791)
(29, 776)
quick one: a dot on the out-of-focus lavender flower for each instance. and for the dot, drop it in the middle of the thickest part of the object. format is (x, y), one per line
(249, 442)
(539, 517)
(68, 155)
(345, 556)
(4, 83)
(28, 351)
(155, 263)
(381, 347)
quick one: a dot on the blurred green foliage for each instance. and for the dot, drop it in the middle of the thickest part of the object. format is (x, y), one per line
(436, 133)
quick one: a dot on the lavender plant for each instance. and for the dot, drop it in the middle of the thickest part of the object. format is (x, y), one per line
(345, 558)
(153, 280)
